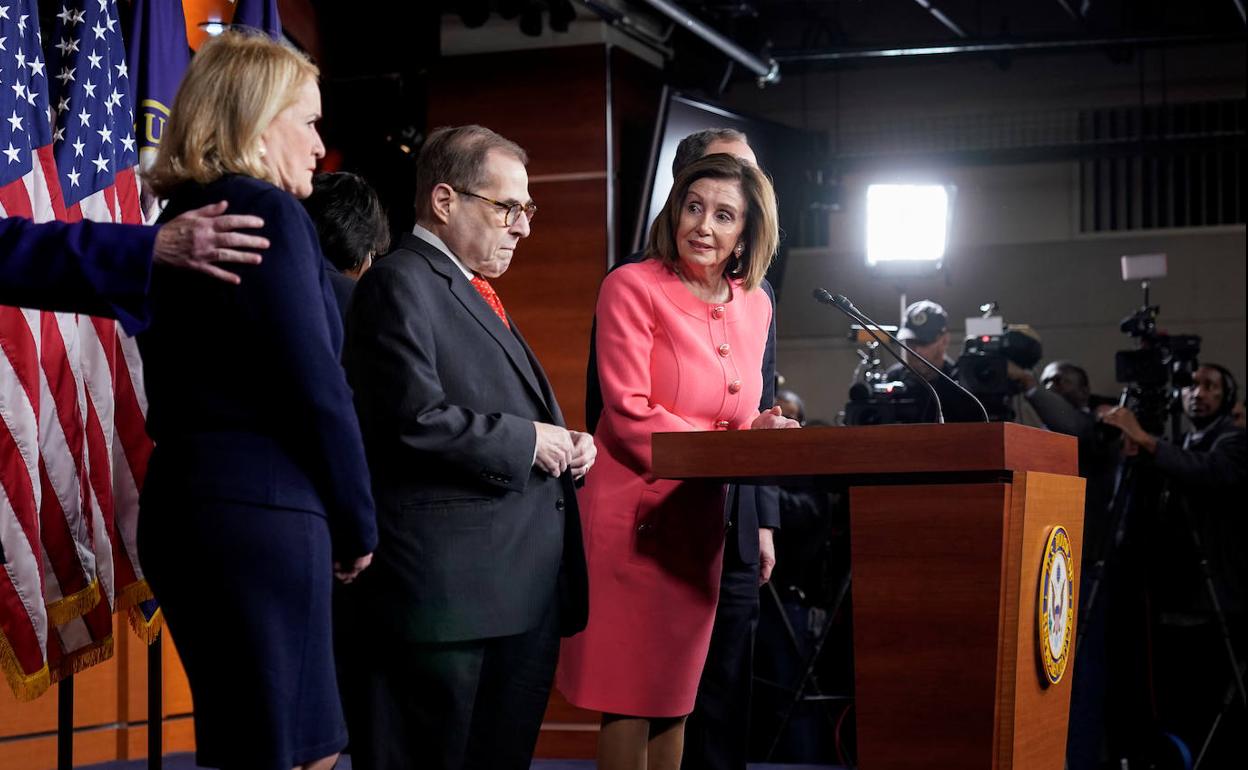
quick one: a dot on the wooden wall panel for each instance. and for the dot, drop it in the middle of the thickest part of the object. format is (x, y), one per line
(551, 102)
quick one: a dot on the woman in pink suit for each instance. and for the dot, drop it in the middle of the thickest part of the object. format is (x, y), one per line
(680, 342)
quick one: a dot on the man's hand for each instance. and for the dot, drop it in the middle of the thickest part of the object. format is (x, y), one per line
(351, 572)
(773, 418)
(766, 555)
(1124, 420)
(196, 239)
(584, 452)
(554, 448)
(1024, 377)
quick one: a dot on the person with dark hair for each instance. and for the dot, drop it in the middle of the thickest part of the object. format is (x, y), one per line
(717, 732)
(1200, 526)
(351, 226)
(709, 141)
(681, 338)
(104, 269)
(454, 631)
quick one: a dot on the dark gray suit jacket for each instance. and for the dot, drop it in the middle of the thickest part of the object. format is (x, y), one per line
(475, 542)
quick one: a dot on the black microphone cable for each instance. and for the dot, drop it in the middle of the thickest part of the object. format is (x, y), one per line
(848, 309)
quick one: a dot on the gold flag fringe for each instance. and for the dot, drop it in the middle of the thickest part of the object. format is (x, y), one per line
(26, 687)
(134, 594)
(75, 605)
(145, 629)
(80, 660)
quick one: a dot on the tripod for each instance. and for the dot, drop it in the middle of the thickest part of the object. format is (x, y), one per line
(1131, 506)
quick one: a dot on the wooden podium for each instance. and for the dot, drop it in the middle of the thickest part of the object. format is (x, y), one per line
(948, 533)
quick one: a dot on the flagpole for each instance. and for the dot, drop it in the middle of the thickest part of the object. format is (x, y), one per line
(65, 724)
(155, 721)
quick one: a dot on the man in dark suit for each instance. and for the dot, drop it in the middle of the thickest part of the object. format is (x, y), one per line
(454, 633)
(717, 733)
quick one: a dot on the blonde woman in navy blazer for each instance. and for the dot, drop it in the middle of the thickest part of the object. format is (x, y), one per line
(257, 492)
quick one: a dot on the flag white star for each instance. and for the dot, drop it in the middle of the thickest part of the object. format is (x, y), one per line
(30, 97)
(21, 58)
(106, 134)
(15, 121)
(103, 5)
(73, 178)
(67, 75)
(79, 16)
(2, 39)
(13, 153)
(62, 105)
(101, 163)
(68, 46)
(36, 67)
(110, 22)
(78, 147)
(20, 90)
(128, 143)
(95, 60)
(122, 70)
(99, 31)
(4, 11)
(89, 87)
(21, 23)
(59, 134)
(65, 15)
(85, 117)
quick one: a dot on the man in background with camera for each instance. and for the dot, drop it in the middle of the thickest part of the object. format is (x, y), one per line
(925, 329)
(1199, 517)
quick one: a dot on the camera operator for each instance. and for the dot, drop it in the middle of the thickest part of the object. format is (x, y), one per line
(926, 330)
(1205, 472)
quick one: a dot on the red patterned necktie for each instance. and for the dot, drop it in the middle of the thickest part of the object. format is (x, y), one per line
(490, 296)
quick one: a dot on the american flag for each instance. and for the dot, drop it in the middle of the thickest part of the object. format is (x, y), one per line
(90, 449)
(28, 188)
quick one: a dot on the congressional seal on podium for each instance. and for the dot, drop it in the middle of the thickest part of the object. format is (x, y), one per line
(1056, 606)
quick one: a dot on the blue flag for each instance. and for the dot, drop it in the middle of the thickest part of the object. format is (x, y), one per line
(158, 57)
(261, 14)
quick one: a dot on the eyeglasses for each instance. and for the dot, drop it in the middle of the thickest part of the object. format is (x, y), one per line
(513, 209)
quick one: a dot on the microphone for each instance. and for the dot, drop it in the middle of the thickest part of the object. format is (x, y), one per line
(847, 307)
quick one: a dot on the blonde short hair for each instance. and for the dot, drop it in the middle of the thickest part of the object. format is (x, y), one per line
(762, 230)
(236, 85)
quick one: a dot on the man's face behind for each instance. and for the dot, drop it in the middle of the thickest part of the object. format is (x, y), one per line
(1203, 398)
(476, 231)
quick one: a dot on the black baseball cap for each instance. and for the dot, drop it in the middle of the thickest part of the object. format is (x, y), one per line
(924, 322)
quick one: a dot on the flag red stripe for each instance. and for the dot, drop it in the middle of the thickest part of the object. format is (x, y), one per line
(17, 486)
(16, 200)
(58, 541)
(17, 628)
(18, 344)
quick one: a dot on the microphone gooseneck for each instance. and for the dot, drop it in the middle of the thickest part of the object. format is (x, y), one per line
(927, 363)
(845, 306)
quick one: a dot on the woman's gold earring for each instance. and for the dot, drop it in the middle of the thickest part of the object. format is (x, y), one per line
(739, 250)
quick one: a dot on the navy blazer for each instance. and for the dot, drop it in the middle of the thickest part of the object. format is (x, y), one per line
(475, 542)
(95, 268)
(749, 506)
(247, 399)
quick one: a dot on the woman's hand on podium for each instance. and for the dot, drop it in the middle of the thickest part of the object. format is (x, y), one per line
(772, 419)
